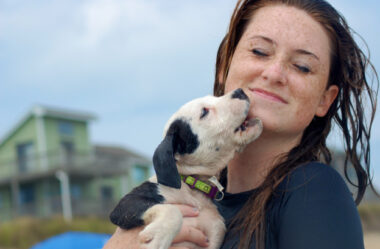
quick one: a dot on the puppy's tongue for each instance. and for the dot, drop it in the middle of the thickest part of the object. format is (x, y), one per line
(251, 122)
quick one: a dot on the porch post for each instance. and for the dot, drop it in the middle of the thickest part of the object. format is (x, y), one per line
(65, 194)
(15, 190)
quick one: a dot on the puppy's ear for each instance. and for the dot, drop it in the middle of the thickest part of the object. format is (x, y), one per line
(179, 139)
(165, 165)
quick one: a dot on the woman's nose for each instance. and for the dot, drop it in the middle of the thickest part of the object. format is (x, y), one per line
(275, 72)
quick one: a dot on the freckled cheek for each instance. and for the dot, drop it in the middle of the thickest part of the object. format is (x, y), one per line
(236, 79)
(242, 72)
(304, 113)
(304, 93)
(306, 108)
(230, 86)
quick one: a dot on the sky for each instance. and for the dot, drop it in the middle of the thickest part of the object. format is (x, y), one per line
(132, 63)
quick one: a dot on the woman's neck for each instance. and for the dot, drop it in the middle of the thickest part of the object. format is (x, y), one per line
(248, 169)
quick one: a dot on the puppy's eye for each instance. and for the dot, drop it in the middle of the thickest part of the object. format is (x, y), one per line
(204, 112)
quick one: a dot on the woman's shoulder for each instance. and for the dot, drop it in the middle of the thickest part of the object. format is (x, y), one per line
(314, 199)
(313, 171)
(315, 180)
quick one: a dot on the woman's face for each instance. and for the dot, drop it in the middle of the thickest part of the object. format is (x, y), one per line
(282, 61)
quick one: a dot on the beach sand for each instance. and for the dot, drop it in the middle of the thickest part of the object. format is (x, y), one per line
(372, 240)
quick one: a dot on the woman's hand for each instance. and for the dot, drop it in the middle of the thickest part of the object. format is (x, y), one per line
(127, 239)
(124, 239)
(189, 231)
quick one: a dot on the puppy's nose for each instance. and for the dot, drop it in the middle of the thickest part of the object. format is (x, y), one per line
(239, 94)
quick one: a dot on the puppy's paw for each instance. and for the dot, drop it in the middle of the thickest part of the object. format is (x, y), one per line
(145, 238)
(153, 238)
(163, 223)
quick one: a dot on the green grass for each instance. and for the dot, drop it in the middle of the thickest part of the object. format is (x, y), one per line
(24, 233)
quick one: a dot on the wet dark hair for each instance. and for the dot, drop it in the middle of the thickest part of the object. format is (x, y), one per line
(353, 109)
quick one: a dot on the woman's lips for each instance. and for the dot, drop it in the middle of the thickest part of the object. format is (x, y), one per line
(268, 95)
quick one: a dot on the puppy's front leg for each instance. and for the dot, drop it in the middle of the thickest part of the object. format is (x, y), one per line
(163, 222)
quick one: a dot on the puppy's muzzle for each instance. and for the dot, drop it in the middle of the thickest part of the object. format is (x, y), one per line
(239, 94)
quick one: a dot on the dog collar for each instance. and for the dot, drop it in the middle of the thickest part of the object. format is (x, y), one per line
(208, 190)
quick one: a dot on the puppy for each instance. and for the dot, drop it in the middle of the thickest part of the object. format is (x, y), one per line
(199, 140)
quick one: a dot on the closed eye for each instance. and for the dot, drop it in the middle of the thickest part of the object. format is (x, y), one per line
(204, 112)
(303, 69)
(259, 52)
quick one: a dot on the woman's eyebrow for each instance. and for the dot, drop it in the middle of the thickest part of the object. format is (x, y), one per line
(305, 52)
(262, 38)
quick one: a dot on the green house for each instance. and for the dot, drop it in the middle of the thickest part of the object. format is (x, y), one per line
(48, 166)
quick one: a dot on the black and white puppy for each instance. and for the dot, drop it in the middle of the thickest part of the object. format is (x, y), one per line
(199, 140)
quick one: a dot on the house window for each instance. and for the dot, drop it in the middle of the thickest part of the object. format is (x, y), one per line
(25, 157)
(76, 191)
(27, 195)
(67, 153)
(27, 200)
(138, 174)
(106, 193)
(66, 128)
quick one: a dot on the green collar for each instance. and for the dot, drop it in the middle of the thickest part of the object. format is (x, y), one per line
(208, 190)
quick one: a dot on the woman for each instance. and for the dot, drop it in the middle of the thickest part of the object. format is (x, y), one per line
(302, 69)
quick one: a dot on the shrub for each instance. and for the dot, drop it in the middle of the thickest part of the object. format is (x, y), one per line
(25, 232)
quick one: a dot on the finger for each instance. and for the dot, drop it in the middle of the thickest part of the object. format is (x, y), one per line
(187, 246)
(187, 210)
(193, 235)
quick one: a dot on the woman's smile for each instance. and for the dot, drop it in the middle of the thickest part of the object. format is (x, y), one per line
(267, 95)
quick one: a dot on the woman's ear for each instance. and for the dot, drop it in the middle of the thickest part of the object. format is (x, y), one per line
(327, 99)
(220, 77)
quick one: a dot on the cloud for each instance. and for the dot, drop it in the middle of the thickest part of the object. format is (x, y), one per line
(72, 44)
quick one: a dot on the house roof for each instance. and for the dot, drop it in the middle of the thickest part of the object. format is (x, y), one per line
(48, 111)
(55, 112)
(117, 151)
